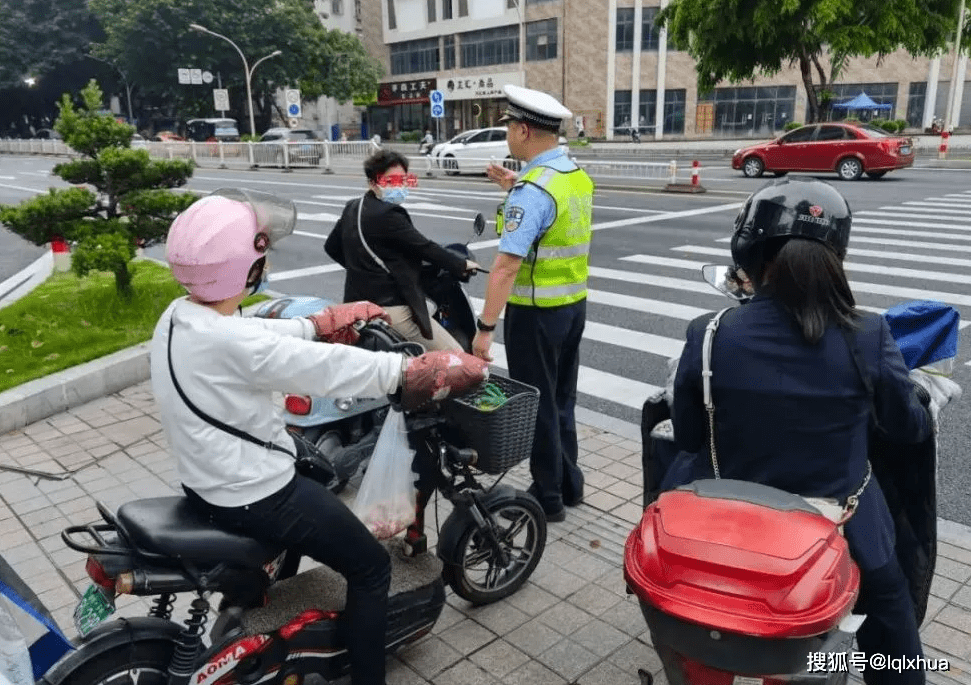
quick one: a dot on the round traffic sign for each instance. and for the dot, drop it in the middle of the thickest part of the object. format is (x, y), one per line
(437, 96)
(207, 77)
(438, 110)
(293, 110)
(293, 96)
(294, 123)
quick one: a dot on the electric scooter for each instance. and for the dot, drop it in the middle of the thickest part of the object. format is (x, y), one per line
(343, 432)
(753, 598)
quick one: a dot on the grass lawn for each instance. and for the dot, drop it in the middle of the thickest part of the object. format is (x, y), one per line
(66, 321)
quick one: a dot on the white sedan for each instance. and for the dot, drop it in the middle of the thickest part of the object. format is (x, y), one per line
(472, 151)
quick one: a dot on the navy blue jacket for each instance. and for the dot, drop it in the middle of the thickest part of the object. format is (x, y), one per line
(795, 416)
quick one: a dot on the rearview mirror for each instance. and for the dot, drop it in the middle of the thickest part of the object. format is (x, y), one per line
(479, 224)
(721, 278)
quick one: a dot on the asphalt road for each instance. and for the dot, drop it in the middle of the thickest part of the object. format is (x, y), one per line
(911, 240)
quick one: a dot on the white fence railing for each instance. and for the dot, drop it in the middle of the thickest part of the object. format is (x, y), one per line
(657, 171)
(286, 155)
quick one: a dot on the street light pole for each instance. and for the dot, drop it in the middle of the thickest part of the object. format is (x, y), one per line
(954, 71)
(124, 76)
(246, 69)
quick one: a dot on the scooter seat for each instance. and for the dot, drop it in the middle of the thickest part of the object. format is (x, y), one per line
(169, 526)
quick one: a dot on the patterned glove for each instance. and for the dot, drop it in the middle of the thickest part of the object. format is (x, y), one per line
(336, 324)
(436, 375)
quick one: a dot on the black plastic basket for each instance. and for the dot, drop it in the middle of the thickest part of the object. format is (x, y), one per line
(503, 437)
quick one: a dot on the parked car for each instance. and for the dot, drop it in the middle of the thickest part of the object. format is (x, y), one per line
(849, 150)
(168, 137)
(47, 134)
(309, 153)
(138, 142)
(212, 130)
(472, 150)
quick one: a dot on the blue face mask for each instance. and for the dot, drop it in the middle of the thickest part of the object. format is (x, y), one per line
(394, 196)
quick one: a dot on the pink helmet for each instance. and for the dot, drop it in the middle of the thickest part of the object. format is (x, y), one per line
(213, 244)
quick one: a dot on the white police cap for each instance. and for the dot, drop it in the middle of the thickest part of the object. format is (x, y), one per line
(534, 107)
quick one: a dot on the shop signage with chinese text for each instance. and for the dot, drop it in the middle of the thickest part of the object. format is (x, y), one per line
(406, 92)
(478, 86)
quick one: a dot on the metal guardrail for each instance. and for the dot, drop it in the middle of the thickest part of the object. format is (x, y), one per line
(436, 167)
(286, 155)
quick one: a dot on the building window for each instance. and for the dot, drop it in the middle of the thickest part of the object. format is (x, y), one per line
(446, 9)
(881, 93)
(541, 40)
(622, 112)
(491, 46)
(915, 104)
(625, 29)
(463, 8)
(649, 32)
(337, 7)
(761, 110)
(414, 56)
(392, 24)
(431, 10)
(674, 102)
(449, 57)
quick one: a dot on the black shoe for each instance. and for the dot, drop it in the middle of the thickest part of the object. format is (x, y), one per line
(576, 502)
(556, 517)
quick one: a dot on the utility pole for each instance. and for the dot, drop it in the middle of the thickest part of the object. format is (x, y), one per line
(948, 114)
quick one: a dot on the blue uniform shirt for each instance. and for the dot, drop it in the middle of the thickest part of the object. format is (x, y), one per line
(530, 210)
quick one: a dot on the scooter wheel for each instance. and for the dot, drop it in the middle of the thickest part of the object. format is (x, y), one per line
(481, 577)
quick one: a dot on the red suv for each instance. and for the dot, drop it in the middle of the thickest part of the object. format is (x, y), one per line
(847, 149)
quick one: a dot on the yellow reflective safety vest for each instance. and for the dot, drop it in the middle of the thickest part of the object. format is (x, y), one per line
(554, 272)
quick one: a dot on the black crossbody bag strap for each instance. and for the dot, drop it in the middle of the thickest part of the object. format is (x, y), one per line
(243, 435)
(851, 342)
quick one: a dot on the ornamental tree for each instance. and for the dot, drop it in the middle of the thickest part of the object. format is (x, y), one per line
(735, 41)
(131, 204)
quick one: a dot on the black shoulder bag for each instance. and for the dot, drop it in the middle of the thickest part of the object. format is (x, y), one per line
(309, 460)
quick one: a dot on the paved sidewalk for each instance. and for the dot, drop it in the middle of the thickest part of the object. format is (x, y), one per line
(572, 623)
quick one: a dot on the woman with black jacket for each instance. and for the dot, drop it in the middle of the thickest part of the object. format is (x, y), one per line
(382, 251)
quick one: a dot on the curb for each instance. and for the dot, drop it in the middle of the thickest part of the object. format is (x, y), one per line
(42, 398)
(25, 280)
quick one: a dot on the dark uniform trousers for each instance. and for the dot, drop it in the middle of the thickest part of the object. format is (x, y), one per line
(543, 350)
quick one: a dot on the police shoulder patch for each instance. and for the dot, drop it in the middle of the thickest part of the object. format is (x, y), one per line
(514, 216)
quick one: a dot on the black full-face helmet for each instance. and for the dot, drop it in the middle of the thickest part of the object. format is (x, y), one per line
(790, 208)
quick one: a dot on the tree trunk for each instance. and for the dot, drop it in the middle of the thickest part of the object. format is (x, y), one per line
(812, 104)
(123, 281)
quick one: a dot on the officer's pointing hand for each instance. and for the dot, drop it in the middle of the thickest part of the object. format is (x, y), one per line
(481, 344)
(506, 178)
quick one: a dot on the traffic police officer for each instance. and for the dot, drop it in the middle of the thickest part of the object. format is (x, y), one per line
(540, 277)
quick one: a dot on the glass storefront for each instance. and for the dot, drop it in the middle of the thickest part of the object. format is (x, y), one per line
(761, 110)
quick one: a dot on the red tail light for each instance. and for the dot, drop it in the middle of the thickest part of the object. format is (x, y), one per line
(97, 573)
(299, 404)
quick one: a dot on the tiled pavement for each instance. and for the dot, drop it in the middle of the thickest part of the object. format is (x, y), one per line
(572, 623)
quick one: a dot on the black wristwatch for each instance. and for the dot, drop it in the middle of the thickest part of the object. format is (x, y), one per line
(482, 327)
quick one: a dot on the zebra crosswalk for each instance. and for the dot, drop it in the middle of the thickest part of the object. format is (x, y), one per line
(916, 250)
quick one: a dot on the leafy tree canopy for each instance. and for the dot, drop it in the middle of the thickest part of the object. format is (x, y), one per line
(38, 35)
(151, 39)
(735, 40)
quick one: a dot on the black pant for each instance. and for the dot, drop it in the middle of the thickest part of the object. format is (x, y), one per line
(890, 627)
(543, 350)
(310, 520)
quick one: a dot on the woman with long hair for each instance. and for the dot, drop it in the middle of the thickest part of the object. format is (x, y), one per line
(799, 376)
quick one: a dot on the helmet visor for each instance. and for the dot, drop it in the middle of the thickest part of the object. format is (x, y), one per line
(275, 216)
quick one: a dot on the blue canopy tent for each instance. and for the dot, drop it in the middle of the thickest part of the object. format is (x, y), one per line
(861, 101)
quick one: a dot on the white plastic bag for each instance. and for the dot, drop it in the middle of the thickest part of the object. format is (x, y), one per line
(15, 664)
(386, 501)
